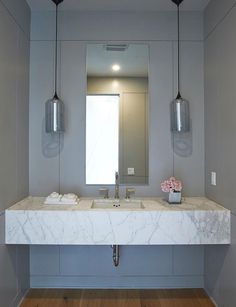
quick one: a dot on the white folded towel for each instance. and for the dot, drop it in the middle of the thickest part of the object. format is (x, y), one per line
(57, 199)
(69, 198)
(53, 199)
(52, 202)
(54, 195)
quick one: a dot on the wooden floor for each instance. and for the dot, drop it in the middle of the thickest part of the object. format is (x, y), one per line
(117, 298)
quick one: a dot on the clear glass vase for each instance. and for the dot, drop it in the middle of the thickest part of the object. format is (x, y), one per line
(174, 198)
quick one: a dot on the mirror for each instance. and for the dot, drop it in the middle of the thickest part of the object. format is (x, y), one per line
(117, 111)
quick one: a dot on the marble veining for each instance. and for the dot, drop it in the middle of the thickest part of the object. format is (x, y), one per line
(196, 221)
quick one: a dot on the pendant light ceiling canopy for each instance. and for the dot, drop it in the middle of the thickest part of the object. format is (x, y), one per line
(177, 2)
(54, 108)
(180, 120)
(57, 2)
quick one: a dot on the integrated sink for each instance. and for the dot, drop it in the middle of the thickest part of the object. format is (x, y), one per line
(117, 204)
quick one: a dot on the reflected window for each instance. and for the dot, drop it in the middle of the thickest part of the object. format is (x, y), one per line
(102, 138)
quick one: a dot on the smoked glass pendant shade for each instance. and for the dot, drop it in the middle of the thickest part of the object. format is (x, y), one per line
(54, 110)
(180, 121)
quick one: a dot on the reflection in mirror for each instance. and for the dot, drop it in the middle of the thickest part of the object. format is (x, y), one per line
(117, 113)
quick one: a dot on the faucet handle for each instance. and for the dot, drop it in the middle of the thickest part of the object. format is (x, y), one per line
(129, 191)
(105, 192)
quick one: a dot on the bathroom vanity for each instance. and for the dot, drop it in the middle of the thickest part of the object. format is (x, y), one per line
(112, 222)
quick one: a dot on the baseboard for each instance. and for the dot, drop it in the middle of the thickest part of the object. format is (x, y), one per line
(211, 297)
(110, 282)
(19, 298)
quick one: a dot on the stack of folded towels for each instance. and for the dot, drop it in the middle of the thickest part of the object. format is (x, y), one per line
(59, 199)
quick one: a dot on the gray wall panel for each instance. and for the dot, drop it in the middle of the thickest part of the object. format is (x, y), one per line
(44, 260)
(14, 112)
(8, 277)
(220, 145)
(220, 111)
(22, 117)
(220, 271)
(215, 13)
(8, 101)
(20, 11)
(134, 261)
(43, 150)
(2, 228)
(75, 25)
(188, 260)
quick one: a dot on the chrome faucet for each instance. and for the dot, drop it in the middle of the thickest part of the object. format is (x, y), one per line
(117, 196)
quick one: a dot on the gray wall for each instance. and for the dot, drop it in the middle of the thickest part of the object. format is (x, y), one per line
(71, 266)
(220, 125)
(76, 30)
(14, 126)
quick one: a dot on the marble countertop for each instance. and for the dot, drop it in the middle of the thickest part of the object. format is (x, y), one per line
(197, 220)
(188, 204)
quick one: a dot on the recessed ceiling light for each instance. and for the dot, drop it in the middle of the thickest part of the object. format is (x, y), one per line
(115, 67)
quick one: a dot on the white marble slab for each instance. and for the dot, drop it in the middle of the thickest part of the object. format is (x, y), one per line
(196, 221)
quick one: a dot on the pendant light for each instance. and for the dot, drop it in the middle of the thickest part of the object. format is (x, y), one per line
(180, 121)
(54, 108)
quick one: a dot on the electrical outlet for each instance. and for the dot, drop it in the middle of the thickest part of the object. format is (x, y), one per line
(213, 178)
(130, 171)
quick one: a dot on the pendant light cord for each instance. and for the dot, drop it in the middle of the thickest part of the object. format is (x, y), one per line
(178, 53)
(56, 96)
(56, 51)
(178, 95)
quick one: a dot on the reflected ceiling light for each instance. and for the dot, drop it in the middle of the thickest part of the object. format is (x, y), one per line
(115, 67)
(54, 108)
(180, 120)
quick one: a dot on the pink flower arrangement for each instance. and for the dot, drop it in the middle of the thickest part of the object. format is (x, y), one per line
(171, 185)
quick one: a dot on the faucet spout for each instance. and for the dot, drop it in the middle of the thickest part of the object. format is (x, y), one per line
(117, 196)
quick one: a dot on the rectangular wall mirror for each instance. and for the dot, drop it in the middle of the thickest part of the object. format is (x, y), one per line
(117, 111)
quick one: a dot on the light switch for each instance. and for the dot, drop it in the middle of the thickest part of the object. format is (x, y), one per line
(130, 171)
(213, 178)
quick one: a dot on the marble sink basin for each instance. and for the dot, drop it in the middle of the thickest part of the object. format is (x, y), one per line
(117, 204)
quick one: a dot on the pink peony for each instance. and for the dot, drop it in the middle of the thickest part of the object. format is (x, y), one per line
(171, 185)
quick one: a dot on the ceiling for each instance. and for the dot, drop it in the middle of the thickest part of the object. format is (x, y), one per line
(133, 61)
(119, 5)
